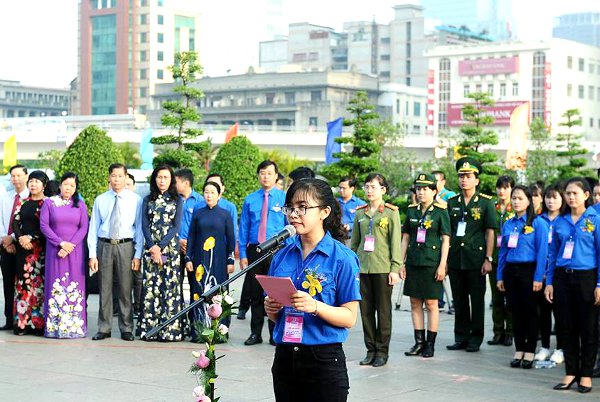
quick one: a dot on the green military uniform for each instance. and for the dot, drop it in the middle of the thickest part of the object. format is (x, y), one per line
(383, 225)
(465, 259)
(423, 258)
(501, 314)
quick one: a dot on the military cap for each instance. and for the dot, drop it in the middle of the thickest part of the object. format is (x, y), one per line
(468, 165)
(424, 180)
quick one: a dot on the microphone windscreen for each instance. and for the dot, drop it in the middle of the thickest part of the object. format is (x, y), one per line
(291, 229)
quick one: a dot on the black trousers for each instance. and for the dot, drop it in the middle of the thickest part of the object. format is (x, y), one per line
(545, 313)
(518, 282)
(303, 373)
(468, 291)
(578, 319)
(256, 293)
(376, 313)
(501, 314)
(9, 271)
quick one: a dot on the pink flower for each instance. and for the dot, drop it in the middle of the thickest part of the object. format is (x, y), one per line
(223, 330)
(214, 311)
(218, 299)
(203, 361)
(198, 393)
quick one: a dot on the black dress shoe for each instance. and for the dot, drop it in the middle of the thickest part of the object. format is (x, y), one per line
(508, 340)
(253, 340)
(457, 346)
(527, 364)
(6, 327)
(100, 336)
(127, 336)
(563, 387)
(497, 340)
(380, 361)
(515, 363)
(582, 389)
(368, 360)
(472, 348)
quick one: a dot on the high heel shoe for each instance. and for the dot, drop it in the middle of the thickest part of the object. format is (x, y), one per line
(527, 364)
(582, 389)
(515, 363)
(563, 387)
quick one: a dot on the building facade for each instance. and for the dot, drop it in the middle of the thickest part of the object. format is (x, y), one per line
(18, 100)
(553, 76)
(125, 48)
(579, 27)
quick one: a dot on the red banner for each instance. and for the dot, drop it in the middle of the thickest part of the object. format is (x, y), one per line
(501, 112)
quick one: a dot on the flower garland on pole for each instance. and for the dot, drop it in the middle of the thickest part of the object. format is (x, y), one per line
(205, 366)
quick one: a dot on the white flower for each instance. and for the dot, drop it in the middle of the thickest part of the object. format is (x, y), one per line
(218, 299)
(196, 355)
(228, 299)
(223, 329)
(198, 391)
(21, 307)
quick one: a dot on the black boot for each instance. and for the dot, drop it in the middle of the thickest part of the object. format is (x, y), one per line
(429, 348)
(419, 343)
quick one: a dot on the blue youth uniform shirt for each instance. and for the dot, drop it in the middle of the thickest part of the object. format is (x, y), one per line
(188, 211)
(349, 210)
(336, 267)
(585, 235)
(532, 246)
(250, 218)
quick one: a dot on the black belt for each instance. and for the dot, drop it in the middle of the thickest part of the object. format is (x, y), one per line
(115, 241)
(575, 271)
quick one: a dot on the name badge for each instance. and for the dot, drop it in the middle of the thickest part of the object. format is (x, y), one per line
(498, 241)
(421, 234)
(513, 240)
(568, 251)
(369, 243)
(461, 228)
(292, 330)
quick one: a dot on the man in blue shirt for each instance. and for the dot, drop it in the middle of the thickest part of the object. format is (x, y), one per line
(115, 242)
(349, 202)
(261, 219)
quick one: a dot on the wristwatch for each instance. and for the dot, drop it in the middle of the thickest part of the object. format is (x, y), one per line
(489, 258)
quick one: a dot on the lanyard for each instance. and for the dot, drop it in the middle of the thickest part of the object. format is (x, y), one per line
(371, 225)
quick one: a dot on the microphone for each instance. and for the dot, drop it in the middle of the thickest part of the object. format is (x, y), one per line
(276, 240)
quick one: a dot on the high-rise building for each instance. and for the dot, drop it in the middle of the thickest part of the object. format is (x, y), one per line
(579, 27)
(490, 17)
(125, 48)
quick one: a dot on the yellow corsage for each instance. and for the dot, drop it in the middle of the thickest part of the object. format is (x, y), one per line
(589, 225)
(476, 213)
(209, 243)
(312, 284)
(384, 222)
(527, 229)
(199, 272)
(428, 222)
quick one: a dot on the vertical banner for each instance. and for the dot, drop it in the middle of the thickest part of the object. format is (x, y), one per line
(430, 100)
(10, 152)
(548, 95)
(516, 155)
(231, 132)
(147, 149)
(334, 130)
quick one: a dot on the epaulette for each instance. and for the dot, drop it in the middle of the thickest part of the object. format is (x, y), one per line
(391, 206)
(362, 207)
(487, 197)
(454, 196)
(413, 205)
(440, 205)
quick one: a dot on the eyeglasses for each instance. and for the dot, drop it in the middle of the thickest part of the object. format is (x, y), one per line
(369, 187)
(300, 211)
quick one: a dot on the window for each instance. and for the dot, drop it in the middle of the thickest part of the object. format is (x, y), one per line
(161, 3)
(515, 89)
(143, 19)
(270, 98)
(315, 96)
(416, 109)
(385, 57)
(503, 89)
(161, 19)
(591, 68)
(160, 38)
(408, 31)
(397, 106)
(580, 92)
(290, 98)
(160, 55)
(581, 64)
(384, 74)
(490, 89)
(143, 74)
(143, 3)
(466, 90)
(143, 37)
(569, 62)
(477, 87)
(159, 74)
(569, 90)
(142, 92)
(591, 122)
(385, 41)
(143, 55)
(591, 92)
(312, 121)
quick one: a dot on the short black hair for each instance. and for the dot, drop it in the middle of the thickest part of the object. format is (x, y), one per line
(132, 177)
(117, 166)
(505, 182)
(302, 172)
(351, 181)
(265, 164)
(435, 172)
(212, 183)
(18, 167)
(217, 175)
(186, 175)
(379, 177)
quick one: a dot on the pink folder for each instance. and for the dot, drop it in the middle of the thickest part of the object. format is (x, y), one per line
(277, 288)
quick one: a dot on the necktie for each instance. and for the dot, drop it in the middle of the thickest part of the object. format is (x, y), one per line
(115, 220)
(12, 213)
(264, 213)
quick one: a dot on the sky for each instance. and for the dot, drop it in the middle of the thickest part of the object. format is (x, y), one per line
(38, 38)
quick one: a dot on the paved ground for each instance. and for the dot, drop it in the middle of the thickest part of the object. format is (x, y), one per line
(41, 369)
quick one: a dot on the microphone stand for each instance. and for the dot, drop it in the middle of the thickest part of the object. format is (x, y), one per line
(210, 292)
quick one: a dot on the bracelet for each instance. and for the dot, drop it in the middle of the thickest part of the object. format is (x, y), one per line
(314, 313)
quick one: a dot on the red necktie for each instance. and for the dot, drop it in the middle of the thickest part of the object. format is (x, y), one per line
(12, 213)
(264, 212)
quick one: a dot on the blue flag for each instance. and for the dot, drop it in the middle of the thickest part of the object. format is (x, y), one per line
(147, 149)
(334, 130)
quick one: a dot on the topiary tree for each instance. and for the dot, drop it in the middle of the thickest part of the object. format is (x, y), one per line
(542, 159)
(236, 162)
(570, 151)
(89, 156)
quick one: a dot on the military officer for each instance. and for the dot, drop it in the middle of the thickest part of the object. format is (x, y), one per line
(376, 239)
(473, 221)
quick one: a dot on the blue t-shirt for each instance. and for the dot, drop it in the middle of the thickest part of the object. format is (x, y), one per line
(349, 210)
(336, 267)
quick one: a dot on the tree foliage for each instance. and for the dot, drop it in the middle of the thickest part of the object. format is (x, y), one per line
(570, 151)
(363, 158)
(236, 161)
(476, 138)
(89, 156)
(542, 159)
(131, 154)
(49, 159)
(286, 162)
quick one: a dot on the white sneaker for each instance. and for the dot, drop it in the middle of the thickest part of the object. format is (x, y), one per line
(542, 354)
(557, 356)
